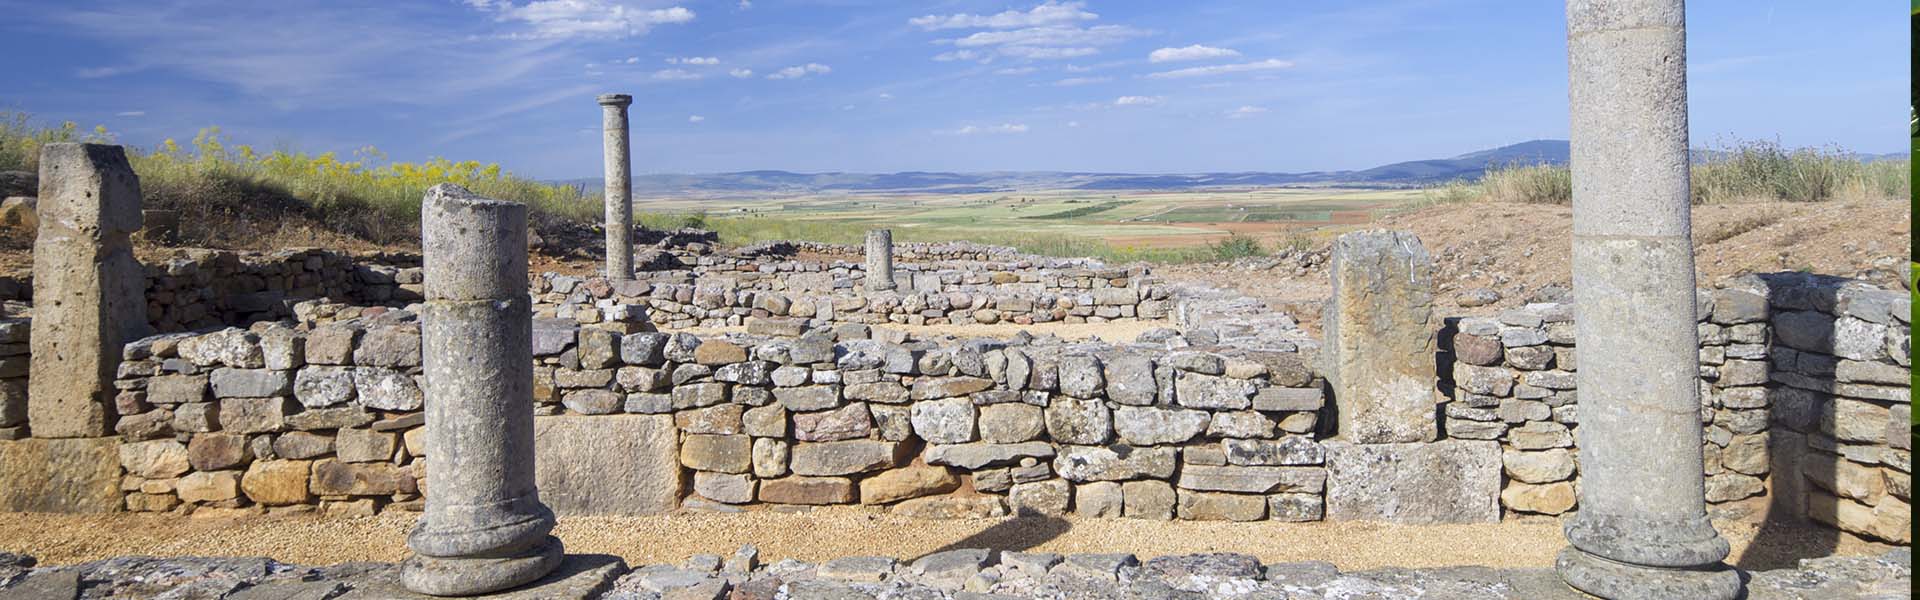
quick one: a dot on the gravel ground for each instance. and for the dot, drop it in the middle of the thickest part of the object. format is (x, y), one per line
(852, 531)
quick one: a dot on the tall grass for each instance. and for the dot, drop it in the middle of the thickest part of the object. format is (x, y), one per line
(363, 195)
(1746, 171)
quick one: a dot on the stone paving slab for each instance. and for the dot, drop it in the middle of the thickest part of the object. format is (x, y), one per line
(996, 575)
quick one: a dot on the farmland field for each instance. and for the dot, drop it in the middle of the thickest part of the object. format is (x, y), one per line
(1114, 224)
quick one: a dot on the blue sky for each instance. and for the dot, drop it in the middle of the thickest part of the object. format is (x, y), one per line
(853, 85)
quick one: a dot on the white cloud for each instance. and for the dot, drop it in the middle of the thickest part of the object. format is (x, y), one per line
(1264, 65)
(1194, 52)
(695, 118)
(1245, 112)
(1097, 35)
(675, 75)
(1073, 123)
(630, 60)
(131, 113)
(745, 4)
(581, 18)
(956, 55)
(975, 129)
(1047, 13)
(741, 73)
(1015, 70)
(99, 72)
(1138, 100)
(886, 96)
(693, 60)
(1077, 69)
(1072, 81)
(799, 71)
(1034, 53)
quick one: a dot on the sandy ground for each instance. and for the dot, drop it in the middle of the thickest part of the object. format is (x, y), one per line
(1111, 331)
(853, 531)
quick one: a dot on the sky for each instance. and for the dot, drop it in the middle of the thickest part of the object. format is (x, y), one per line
(878, 86)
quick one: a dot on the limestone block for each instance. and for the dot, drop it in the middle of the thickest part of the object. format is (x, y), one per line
(907, 482)
(1215, 506)
(79, 475)
(807, 490)
(1380, 337)
(845, 423)
(1453, 481)
(945, 421)
(89, 204)
(844, 457)
(1116, 463)
(614, 464)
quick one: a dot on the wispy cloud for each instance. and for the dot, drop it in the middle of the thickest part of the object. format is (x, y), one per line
(1264, 65)
(1073, 81)
(695, 118)
(99, 72)
(1047, 13)
(693, 60)
(986, 129)
(1050, 31)
(799, 71)
(740, 73)
(131, 113)
(580, 18)
(1138, 100)
(1015, 70)
(675, 75)
(1194, 52)
(1246, 112)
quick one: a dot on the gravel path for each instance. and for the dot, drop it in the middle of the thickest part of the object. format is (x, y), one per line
(852, 531)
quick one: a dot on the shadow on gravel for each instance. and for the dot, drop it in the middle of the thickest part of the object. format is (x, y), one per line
(1015, 535)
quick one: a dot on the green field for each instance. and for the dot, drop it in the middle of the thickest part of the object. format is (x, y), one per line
(1117, 225)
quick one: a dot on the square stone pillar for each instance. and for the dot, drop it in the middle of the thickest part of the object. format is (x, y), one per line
(89, 294)
(1381, 339)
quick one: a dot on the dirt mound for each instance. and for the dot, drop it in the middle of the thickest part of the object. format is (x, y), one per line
(1520, 252)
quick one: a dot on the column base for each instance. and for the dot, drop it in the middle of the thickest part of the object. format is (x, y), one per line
(469, 576)
(1616, 580)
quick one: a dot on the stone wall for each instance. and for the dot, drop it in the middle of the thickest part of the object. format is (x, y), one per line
(328, 417)
(15, 362)
(1804, 392)
(712, 296)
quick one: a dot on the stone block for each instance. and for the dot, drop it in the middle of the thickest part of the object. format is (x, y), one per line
(80, 475)
(218, 451)
(906, 483)
(1380, 336)
(1148, 426)
(1046, 498)
(1453, 481)
(1147, 499)
(807, 490)
(1215, 506)
(844, 457)
(1114, 463)
(613, 464)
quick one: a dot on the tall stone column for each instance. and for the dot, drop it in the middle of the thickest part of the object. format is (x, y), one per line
(484, 528)
(1380, 338)
(880, 260)
(1642, 529)
(619, 186)
(89, 292)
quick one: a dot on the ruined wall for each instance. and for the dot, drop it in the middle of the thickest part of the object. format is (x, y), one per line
(832, 292)
(1804, 394)
(278, 417)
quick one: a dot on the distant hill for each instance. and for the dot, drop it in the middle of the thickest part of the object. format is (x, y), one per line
(1396, 175)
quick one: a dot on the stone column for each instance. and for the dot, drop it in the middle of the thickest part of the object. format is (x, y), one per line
(619, 186)
(89, 293)
(1380, 338)
(484, 528)
(880, 260)
(1642, 529)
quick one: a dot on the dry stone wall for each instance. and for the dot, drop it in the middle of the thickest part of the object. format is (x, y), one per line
(728, 294)
(1804, 388)
(1159, 428)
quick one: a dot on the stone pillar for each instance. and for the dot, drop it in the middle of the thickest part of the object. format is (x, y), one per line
(1642, 529)
(89, 293)
(880, 260)
(484, 528)
(1380, 338)
(619, 186)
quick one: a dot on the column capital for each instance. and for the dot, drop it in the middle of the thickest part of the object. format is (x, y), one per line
(621, 100)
